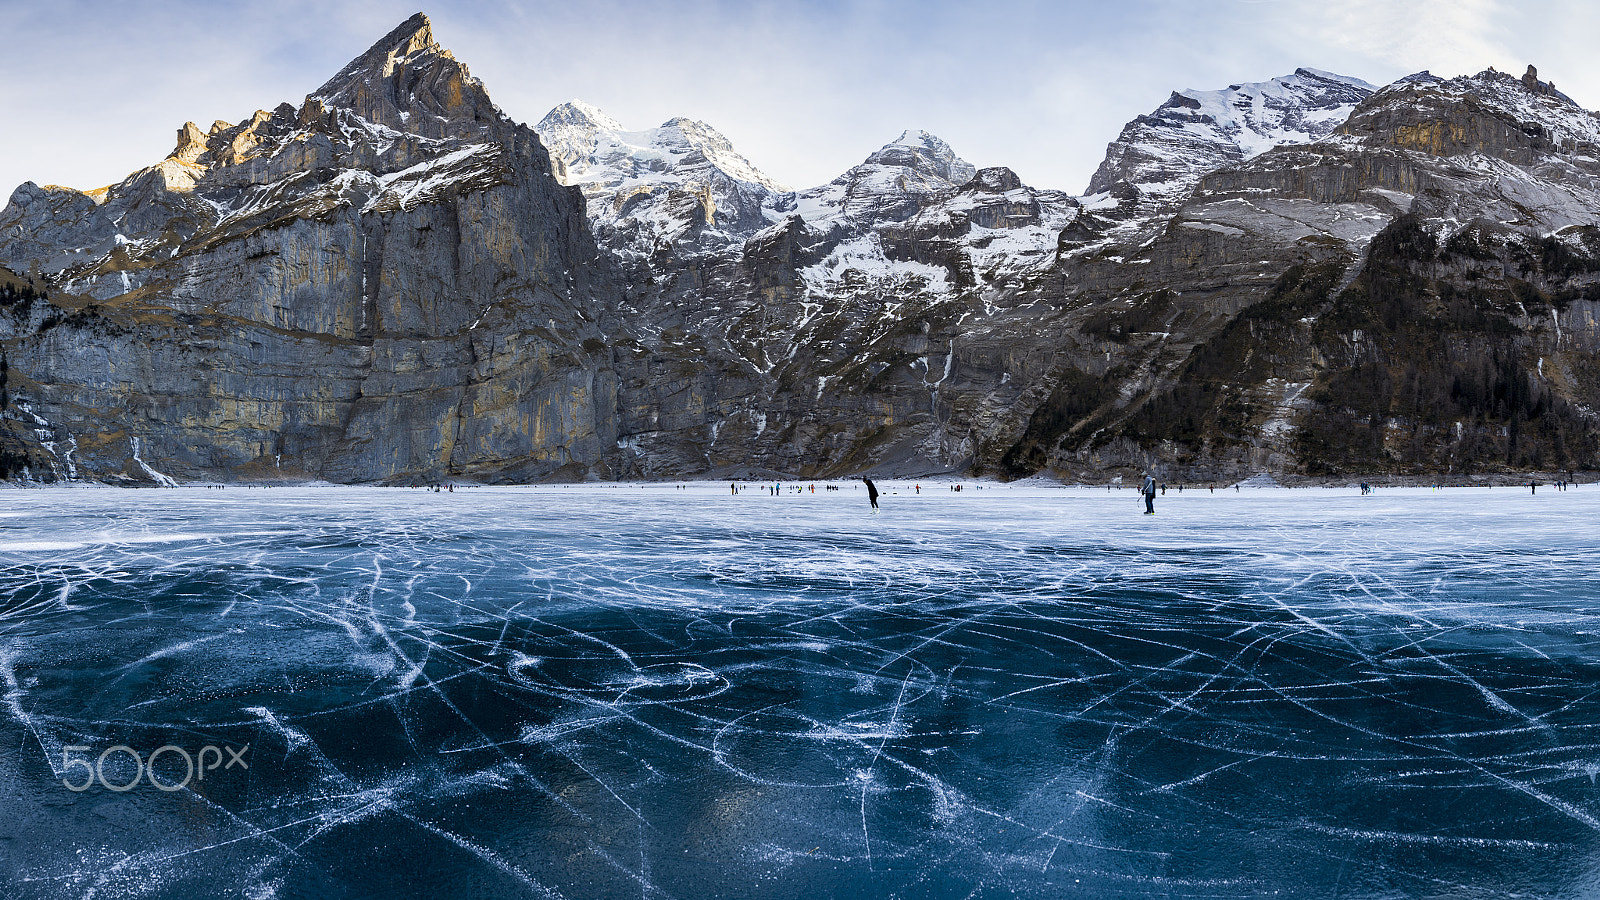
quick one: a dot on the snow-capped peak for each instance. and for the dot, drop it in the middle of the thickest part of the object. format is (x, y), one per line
(575, 112)
(926, 154)
(891, 184)
(1323, 74)
(681, 181)
(597, 149)
(1166, 151)
(917, 139)
(1292, 109)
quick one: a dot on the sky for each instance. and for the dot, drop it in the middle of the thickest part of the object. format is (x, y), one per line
(805, 89)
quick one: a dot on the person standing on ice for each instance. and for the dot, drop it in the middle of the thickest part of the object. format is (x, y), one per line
(872, 492)
(1148, 488)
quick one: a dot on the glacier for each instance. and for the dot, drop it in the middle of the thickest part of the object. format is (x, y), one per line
(679, 690)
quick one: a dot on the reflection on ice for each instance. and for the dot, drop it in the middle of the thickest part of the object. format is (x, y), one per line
(604, 691)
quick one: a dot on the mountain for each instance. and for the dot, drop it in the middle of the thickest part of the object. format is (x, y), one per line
(1158, 159)
(891, 184)
(1195, 132)
(654, 187)
(393, 281)
(809, 345)
(383, 281)
(771, 321)
(1412, 292)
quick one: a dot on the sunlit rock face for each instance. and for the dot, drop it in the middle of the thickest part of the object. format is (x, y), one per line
(391, 280)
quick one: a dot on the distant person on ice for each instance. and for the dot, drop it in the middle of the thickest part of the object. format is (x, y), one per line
(872, 491)
(1148, 488)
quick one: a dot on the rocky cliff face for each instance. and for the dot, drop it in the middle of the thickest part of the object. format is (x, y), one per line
(815, 337)
(393, 281)
(1412, 292)
(383, 282)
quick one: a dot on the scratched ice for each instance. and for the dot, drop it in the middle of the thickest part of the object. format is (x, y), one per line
(620, 691)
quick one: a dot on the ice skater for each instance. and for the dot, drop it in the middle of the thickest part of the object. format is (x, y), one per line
(1148, 489)
(872, 492)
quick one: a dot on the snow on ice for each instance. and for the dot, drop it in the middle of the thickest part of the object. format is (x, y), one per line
(665, 691)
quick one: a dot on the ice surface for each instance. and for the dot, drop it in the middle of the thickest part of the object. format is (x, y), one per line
(618, 691)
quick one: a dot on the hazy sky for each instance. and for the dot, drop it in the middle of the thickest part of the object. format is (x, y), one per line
(805, 89)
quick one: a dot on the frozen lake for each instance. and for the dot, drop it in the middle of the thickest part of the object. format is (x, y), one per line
(616, 691)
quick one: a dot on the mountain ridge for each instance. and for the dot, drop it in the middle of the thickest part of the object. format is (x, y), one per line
(395, 282)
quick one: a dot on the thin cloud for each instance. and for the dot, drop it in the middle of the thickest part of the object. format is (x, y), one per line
(804, 88)
(1454, 36)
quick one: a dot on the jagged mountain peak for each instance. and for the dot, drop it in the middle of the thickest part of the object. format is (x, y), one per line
(693, 135)
(404, 100)
(919, 139)
(409, 40)
(1491, 83)
(408, 82)
(1530, 82)
(569, 131)
(402, 123)
(1334, 77)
